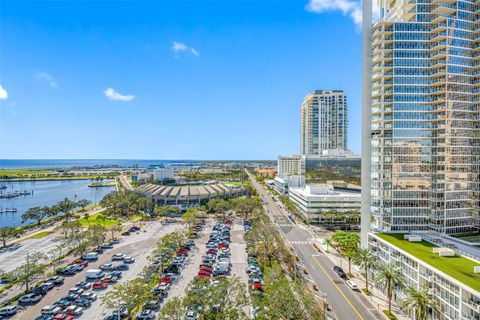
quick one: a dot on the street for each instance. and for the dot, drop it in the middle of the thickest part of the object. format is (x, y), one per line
(345, 303)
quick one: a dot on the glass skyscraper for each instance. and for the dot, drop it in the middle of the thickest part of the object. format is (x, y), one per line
(425, 134)
(323, 122)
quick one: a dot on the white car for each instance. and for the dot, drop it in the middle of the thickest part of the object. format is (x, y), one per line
(89, 295)
(8, 311)
(51, 310)
(118, 256)
(352, 285)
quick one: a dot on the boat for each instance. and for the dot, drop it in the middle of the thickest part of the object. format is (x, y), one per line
(8, 210)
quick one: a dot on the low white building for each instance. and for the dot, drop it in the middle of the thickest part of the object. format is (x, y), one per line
(314, 200)
(282, 184)
(163, 173)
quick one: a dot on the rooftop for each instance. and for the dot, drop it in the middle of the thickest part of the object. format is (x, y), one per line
(457, 267)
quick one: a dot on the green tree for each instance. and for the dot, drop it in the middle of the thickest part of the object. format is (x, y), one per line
(328, 243)
(28, 271)
(133, 293)
(417, 301)
(70, 228)
(172, 310)
(35, 213)
(66, 206)
(7, 233)
(83, 203)
(389, 276)
(365, 259)
(218, 206)
(116, 228)
(191, 217)
(347, 243)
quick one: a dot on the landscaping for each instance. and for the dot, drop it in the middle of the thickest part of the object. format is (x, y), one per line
(458, 267)
(39, 235)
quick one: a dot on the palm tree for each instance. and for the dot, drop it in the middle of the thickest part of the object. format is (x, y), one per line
(418, 300)
(364, 258)
(389, 276)
(328, 243)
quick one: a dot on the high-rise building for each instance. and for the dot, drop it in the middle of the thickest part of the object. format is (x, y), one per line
(323, 122)
(293, 165)
(425, 116)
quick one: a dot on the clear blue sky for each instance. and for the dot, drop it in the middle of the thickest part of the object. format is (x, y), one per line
(169, 80)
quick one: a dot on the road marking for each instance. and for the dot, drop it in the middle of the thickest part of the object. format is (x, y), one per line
(299, 242)
(338, 288)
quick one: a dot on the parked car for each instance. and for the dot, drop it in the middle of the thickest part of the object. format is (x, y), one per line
(89, 295)
(352, 285)
(56, 280)
(8, 311)
(91, 256)
(151, 305)
(128, 260)
(30, 298)
(83, 285)
(122, 267)
(94, 274)
(118, 257)
(63, 303)
(63, 316)
(107, 267)
(74, 311)
(51, 310)
(145, 315)
(76, 290)
(68, 271)
(99, 285)
(84, 303)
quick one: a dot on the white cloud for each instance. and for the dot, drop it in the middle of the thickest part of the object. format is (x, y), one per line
(48, 78)
(182, 47)
(3, 93)
(347, 7)
(111, 94)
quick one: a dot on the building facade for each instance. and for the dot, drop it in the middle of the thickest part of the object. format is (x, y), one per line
(321, 203)
(163, 173)
(455, 292)
(323, 122)
(425, 137)
(290, 165)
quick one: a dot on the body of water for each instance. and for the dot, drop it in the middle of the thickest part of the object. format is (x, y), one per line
(45, 193)
(94, 163)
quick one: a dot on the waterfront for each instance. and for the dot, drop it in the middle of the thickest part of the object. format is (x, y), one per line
(45, 193)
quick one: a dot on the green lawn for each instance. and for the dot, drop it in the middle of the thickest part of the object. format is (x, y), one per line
(39, 235)
(92, 220)
(24, 172)
(457, 267)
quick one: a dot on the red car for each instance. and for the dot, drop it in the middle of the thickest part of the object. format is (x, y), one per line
(204, 274)
(99, 285)
(63, 316)
(166, 279)
(257, 286)
(182, 251)
(223, 246)
(228, 222)
(212, 251)
(206, 268)
(80, 262)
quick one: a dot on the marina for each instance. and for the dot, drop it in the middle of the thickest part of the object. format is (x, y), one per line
(43, 193)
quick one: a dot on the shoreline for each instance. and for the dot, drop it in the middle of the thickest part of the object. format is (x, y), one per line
(45, 179)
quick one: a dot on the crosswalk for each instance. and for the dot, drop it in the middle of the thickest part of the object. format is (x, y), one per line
(299, 242)
(283, 224)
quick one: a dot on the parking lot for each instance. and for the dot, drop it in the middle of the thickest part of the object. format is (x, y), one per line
(138, 245)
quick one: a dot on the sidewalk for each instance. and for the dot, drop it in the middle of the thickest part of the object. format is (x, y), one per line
(378, 299)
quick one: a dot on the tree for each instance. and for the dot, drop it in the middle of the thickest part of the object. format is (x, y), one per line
(27, 272)
(116, 228)
(66, 206)
(365, 259)
(191, 217)
(70, 228)
(7, 233)
(389, 276)
(328, 243)
(164, 211)
(347, 243)
(132, 293)
(218, 206)
(418, 300)
(34, 213)
(96, 235)
(172, 310)
(245, 206)
(263, 240)
(83, 203)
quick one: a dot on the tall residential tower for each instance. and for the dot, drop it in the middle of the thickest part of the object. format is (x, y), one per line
(323, 122)
(425, 126)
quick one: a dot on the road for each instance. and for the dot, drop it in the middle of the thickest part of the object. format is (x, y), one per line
(345, 303)
(137, 245)
(124, 183)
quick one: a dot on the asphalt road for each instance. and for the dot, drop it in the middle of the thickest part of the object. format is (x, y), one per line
(345, 303)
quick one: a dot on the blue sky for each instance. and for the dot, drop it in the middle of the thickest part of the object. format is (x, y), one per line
(170, 80)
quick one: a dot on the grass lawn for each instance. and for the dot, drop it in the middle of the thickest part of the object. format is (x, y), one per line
(457, 267)
(93, 220)
(39, 235)
(24, 172)
(472, 239)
